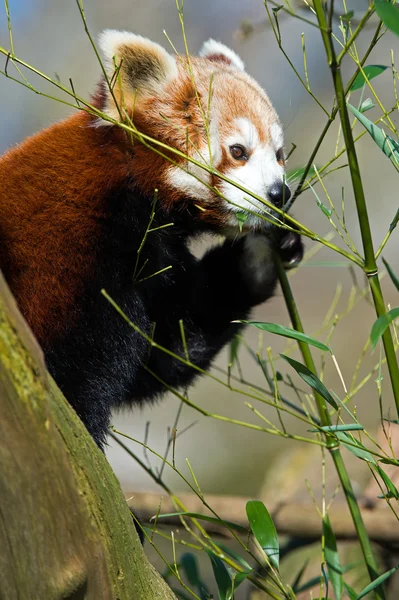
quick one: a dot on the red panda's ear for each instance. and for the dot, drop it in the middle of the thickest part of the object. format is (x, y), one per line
(218, 52)
(135, 65)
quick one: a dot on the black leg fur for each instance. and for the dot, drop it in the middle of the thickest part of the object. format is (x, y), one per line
(103, 363)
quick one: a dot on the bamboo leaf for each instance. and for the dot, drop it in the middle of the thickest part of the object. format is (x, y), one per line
(391, 274)
(381, 324)
(241, 217)
(311, 379)
(264, 530)
(332, 558)
(316, 580)
(222, 576)
(370, 72)
(239, 578)
(386, 143)
(374, 584)
(297, 173)
(396, 421)
(239, 559)
(190, 567)
(347, 16)
(350, 591)
(392, 490)
(389, 14)
(199, 516)
(324, 209)
(395, 221)
(366, 105)
(298, 576)
(389, 461)
(356, 447)
(287, 332)
(345, 427)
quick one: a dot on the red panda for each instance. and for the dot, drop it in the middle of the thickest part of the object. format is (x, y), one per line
(78, 200)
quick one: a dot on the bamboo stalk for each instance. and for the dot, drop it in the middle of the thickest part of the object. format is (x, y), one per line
(332, 442)
(370, 265)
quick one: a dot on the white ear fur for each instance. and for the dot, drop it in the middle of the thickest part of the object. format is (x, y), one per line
(145, 65)
(218, 51)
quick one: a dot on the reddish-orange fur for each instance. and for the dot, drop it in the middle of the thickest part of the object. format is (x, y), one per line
(64, 170)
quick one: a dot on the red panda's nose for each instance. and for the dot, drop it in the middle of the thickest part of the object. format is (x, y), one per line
(279, 194)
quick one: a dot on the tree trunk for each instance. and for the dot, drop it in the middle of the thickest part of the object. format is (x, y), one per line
(65, 529)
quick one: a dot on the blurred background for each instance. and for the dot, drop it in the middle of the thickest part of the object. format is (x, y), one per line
(226, 458)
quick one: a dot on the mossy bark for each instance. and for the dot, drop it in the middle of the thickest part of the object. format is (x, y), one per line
(65, 529)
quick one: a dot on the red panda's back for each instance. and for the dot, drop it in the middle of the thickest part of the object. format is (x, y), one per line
(52, 188)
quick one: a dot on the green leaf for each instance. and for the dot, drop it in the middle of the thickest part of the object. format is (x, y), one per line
(381, 324)
(239, 559)
(190, 567)
(386, 143)
(374, 584)
(356, 447)
(237, 577)
(263, 528)
(391, 274)
(347, 16)
(392, 490)
(222, 576)
(389, 461)
(395, 221)
(316, 580)
(311, 379)
(370, 71)
(201, 517)
(389, 14)
(241, 217)
(308, 584)
(350, 591)
(298, 576)
(332, 558)
(287, 332)
(324, 209)
(334, 428)
(298, 172)
(366, 105)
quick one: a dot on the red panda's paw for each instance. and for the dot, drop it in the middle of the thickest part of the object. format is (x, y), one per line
(258, 261)
(290, 248)
(257, 266)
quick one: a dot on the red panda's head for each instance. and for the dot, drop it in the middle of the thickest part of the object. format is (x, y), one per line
(207, 107)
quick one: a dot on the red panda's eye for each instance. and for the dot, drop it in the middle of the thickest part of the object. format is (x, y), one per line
(238, 152)
(280, 156)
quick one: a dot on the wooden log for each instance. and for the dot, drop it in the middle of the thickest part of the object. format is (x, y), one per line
(65, 529)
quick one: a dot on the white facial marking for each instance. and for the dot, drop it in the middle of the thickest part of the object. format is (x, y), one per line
(276, 133)
(257, 175)
(246, 134)
(191, 179)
